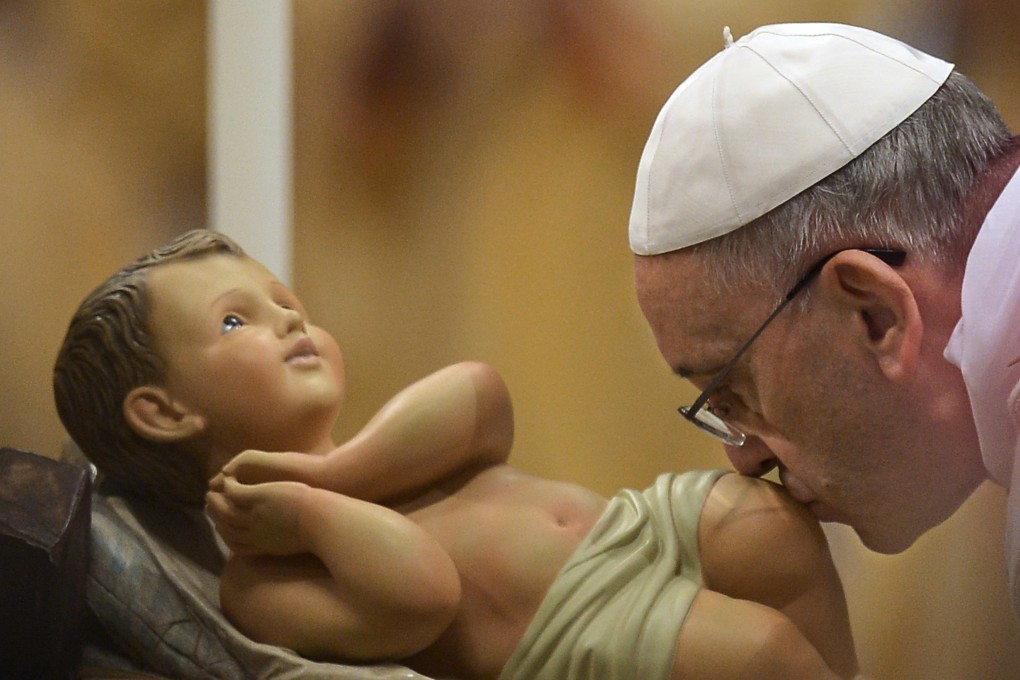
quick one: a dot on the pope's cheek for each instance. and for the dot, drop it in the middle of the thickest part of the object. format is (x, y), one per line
(797, 488)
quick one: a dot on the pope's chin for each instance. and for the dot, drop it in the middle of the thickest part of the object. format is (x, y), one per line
(887, 541)
(902, 525)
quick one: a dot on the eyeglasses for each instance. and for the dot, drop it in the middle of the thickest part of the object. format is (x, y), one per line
(700, 412)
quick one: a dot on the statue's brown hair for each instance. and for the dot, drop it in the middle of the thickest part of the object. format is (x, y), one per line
(108, 351)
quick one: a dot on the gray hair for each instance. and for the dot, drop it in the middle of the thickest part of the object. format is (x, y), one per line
(908, 190)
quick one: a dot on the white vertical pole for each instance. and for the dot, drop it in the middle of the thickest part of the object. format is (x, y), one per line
(250, 128)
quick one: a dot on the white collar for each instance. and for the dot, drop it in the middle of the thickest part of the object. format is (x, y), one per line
(986, 341)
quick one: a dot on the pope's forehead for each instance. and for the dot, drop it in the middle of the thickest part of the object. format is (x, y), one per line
(659, 273)
(689, 317)
(677, 282)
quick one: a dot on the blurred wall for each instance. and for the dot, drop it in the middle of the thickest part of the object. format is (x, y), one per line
(463, 176)
(102, 153)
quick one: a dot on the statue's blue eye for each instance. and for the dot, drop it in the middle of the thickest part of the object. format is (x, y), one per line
(231, 322)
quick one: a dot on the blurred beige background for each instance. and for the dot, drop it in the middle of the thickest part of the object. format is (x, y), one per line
(463, 172)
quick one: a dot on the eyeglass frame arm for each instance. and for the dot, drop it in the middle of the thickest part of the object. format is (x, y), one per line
(891, 256)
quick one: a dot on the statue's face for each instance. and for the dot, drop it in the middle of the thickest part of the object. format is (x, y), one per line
(242, 353)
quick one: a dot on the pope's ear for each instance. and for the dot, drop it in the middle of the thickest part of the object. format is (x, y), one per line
(883, 309)
(153, 415)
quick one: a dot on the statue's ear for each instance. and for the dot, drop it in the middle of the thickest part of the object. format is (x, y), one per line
(154, 415)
